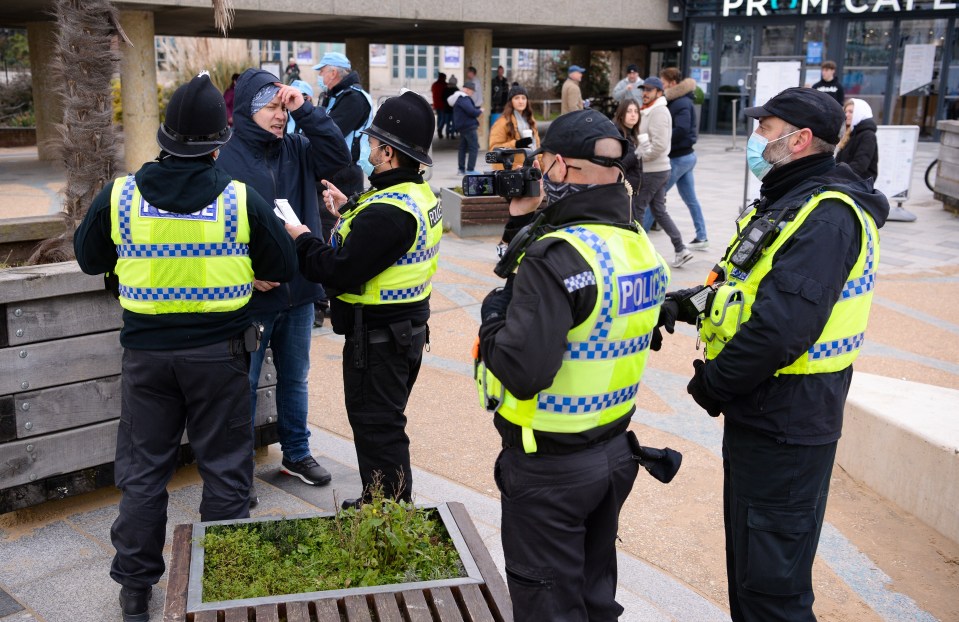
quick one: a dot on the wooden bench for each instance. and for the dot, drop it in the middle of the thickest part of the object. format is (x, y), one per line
(483, 602)
(60, 360)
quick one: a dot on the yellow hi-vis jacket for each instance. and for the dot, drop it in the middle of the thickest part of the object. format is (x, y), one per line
(407, 280)
(842, 337)
(605, 355)
(181, 263)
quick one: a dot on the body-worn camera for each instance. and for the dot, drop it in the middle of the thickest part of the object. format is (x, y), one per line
(509, 184)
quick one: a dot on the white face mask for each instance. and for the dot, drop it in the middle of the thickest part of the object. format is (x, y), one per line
(381, 162)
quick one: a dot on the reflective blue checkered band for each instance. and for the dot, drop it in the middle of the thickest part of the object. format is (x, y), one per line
(182, 250)
(186, 293)
(403, 294)
(584, 404)
(579, 281)
(838, 347)
(592, 350)
(418, 256)
(126, 206)
(230, 213)
(865, 283)
(604, 320)
(413, 256)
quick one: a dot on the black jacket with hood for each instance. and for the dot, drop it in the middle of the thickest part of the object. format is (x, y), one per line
(680, 101)
(861, 153)
(184, 185)
(283, 168)
(525, 348)
(791, 308)
(350, 111)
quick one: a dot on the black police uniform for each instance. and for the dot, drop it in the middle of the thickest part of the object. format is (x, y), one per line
(181, 370)
(780, 433)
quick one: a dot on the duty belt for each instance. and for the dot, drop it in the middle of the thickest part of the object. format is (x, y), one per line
(385, 335)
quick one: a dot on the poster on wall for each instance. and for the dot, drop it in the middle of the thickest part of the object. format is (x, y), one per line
(814, 53)
(702, 76)
(377, 55)
(451, 57)
(918, 62)
(304, 53)
(525, 59)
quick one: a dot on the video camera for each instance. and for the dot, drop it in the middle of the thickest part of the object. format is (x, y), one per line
(509, 184)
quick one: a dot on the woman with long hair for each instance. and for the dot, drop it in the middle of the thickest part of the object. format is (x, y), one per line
(627, 120)
(516, 128)
(858, 147)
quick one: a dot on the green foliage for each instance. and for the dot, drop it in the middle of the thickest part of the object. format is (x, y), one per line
(163, 98)
(16, 102)
(14, 51)
(382, 542)
(596, 79)
(698, 96)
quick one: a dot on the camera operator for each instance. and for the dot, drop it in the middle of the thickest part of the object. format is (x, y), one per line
(384, 253)
(560, 359)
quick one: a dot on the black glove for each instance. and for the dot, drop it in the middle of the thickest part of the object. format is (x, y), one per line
(697, 388)
(496, 302)
(667, 319)
(684, 313)
(523, 143)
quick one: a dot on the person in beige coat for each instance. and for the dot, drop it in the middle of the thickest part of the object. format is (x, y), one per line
(655, 139)
(572, 96)
(516, 127)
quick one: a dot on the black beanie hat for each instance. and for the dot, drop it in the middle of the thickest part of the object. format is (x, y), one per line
(515, 90)
(195, 121)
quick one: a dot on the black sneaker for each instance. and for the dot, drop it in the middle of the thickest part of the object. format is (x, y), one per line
(698, 245)
(254, 498)
(135, 604)
(352, 504)
(307, 470)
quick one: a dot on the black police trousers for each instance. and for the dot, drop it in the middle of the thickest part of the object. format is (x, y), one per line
(205, 390)
(774, 499)
(560, 518)
(376, 398)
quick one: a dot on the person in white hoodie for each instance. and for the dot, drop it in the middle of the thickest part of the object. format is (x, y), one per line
(655, 140)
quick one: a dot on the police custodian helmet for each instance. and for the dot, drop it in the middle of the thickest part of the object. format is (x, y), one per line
(407, 123)
(195, 122)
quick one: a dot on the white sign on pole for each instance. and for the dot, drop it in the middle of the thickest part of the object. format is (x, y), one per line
(918, 64)
(772, 78)
(897, 151)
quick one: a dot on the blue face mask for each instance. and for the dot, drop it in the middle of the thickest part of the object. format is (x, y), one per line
(755, 147)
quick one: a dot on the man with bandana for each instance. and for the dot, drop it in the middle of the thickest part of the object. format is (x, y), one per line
(377, 268)
(561, 351)
(284, 166)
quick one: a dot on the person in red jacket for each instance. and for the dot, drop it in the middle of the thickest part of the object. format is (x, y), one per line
(441, 115)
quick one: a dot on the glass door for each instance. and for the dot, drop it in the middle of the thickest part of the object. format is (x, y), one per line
(701, 69)
(914, 100)
(869, 50)
(735, 63)
(951, 88)
(778, 40)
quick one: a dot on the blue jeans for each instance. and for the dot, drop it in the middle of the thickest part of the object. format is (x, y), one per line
(681, 176)
(288, 333)
(469, 143)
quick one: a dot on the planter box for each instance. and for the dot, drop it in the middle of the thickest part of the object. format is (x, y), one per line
(20, 236)
(947, 173)
(60, 360)
(473, 216)
(18, 136)
(482, 595)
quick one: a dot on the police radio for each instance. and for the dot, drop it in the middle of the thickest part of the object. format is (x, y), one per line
(754, 239)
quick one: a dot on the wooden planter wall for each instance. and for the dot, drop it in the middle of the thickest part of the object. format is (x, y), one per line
(473, 216)
(60, 360)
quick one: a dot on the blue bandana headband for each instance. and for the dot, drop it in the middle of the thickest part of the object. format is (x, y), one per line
(263, 97)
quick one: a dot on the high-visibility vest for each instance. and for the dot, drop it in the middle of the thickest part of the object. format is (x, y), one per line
(357, 143)
(605, 355)
(407, 280)
(842, 337)
(181, 263)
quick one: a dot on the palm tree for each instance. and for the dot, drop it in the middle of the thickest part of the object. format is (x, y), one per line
(86, 61)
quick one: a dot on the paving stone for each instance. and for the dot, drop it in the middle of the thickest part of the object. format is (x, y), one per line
(44, 552)
(8, 605)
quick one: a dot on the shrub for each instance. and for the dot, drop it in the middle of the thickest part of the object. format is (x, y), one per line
(16, 101)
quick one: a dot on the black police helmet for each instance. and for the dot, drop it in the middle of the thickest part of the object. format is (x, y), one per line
(195, 122)
(406, 123)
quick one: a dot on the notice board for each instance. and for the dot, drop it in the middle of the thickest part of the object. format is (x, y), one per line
(897, 152)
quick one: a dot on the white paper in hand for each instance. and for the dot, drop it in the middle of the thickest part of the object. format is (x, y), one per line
(285, 212)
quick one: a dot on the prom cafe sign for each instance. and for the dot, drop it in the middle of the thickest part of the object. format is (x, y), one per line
(831, 7)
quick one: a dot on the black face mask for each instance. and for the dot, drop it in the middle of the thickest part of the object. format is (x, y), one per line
(558, 190)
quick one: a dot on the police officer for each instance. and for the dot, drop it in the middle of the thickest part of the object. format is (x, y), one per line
(184, 241)
(785, 324)
(562, 349)
(384, 253)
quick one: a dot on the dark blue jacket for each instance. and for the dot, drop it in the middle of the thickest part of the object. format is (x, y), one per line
(792, 305)
(465, 114)
(283, 168)
(685, 130)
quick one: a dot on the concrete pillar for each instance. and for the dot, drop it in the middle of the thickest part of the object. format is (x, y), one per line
(138, 89)
(617, 69)
(478, 52)
(47, 101)
(358, 51)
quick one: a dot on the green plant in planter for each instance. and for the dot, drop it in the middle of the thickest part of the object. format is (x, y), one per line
(698, 96)
(382, 542)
